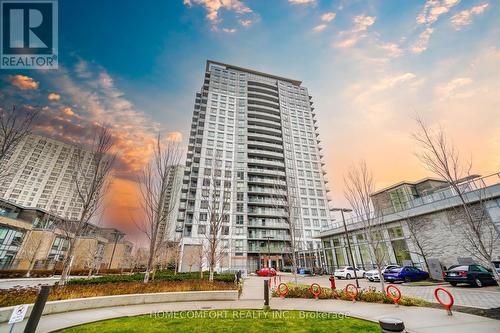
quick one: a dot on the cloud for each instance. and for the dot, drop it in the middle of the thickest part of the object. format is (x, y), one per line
(174, 136)
(229, 30)
(454, 88)
(362, 22)
(391, 81)
(423, 41)
(327, 17)
(319, 27)
(53, 97)
(464, 17)
(351, 38)
(23, 82)
(94, 99)
(213, 8)
(433, 9)
(302, 2)
(246, 23)
(393, 49)
(68, 111)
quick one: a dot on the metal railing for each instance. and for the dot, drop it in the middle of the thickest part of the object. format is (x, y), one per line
(476, 184)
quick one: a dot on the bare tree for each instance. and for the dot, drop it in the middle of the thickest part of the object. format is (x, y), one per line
(359, 185)
(286, 209)
(156, 186)
(192, 257)
(29, 250)
(15, 125)
(215, 207)
(90, 179)
(441, 157)
(424, 246)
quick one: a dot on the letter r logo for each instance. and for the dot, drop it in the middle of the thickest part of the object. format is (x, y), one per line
(27, 27)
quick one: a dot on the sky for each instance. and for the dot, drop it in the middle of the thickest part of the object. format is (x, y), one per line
(371, 67)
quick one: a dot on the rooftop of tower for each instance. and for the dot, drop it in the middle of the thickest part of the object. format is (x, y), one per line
(228, 66)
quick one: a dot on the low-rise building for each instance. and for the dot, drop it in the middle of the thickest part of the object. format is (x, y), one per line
(31, 238)
(429, 211)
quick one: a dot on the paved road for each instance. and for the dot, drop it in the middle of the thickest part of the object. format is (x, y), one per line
(485, 298)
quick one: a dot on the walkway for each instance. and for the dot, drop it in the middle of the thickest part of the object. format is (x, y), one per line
(420, 320)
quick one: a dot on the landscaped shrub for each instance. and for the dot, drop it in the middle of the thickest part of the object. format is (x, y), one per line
(28, 295)
(159, 276)
(302, 291)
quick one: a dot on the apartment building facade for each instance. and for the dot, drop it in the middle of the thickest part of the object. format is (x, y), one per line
(40, 175)
(429, 211)
(259, 132)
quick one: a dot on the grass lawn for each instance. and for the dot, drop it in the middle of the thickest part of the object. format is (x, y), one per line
(232, 321)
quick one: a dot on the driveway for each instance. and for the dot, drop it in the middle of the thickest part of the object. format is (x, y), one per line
(484, 298)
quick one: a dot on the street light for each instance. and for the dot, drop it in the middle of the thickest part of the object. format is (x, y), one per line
(268, 250)
(347, 210)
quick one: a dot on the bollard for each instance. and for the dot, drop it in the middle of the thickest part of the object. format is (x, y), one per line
(266, 293)
(391, 325)
(36, 313)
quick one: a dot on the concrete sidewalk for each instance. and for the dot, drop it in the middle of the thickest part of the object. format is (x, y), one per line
(416, 319)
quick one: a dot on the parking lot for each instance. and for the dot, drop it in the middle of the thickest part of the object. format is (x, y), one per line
(485, 297)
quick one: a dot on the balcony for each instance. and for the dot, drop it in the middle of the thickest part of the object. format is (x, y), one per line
(265, 172)
(275, 163)
(262, 237)
(263, 98)
(266, 145)
(264, 130)
(266, 191)
(260, 108)
(265, 202)
(270, 87)
(264, 137)
(263, 115)
(259, 225)
(264, 122)
(270, 92)
(264, 104)
(265, 153)
(268, 181)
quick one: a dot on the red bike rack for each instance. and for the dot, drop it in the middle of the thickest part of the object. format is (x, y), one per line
(275, 279)
(446, 306)
(353, 295)
(315, 289)
(392, 296)
(281, 291)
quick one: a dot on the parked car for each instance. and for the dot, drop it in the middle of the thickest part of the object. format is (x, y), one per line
(497, 265)
(474, 275)
(372, 275)
(347, 272)
(405, 273)
(266, 271)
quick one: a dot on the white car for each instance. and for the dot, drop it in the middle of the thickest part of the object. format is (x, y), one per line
(372, 275)
(347, 272)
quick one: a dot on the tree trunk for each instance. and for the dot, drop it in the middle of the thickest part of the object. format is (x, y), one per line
(154, 273)
(381, 277)
(211, 276)
(68, 261)
(30, 268)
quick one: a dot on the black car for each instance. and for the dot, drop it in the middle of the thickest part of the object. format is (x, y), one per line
(475, 275)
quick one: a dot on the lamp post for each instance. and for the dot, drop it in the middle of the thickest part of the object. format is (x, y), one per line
(268, 250)
(347, 210)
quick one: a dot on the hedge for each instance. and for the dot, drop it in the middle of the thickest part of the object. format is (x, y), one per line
(159, 276)
(372, 296)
